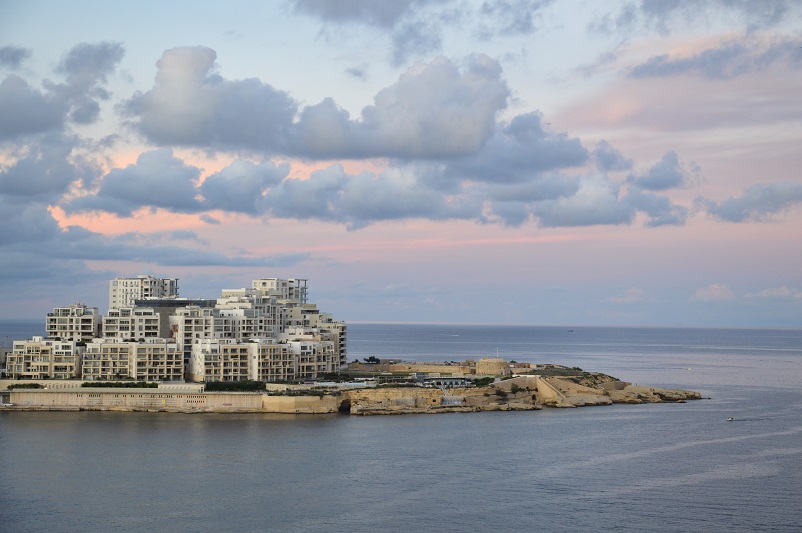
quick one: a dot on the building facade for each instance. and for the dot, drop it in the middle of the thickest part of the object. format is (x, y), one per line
(76, 322)
(123, 292)
(40, 358)
(109, 359)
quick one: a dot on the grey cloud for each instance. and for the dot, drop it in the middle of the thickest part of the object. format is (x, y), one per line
(665, 16)
(357, 201)
(46, 169)
(510, 16)
(241, 187)
(668, 173)
(86, 67)
(210, 219)
(759, 203)
(659, 209)
(26, 110)
(381, 14)
(24, 223)
(731, 59)
(518, 152)
(434, 110)
(595, 202)
(608, 158)
(13, 56)
(158, 179)
(416, 38)
(190, 105)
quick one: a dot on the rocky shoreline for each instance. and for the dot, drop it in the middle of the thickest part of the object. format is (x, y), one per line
(522, 393)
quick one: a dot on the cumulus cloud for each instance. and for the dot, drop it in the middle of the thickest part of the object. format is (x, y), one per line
(242, 186)
(728, 60)
(27, 110)
(434, 110)
(13, 56)
(46, 169)
(668, 173)
(519, 152)
(759, 203)
(158, 179)
(446, 154)
(191, 105)
(608, 158)
(713, 292)
(595, 202)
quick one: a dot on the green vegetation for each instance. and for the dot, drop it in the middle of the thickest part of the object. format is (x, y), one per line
(483, 382)
(121, 384)
(235, 386)
(26, 386)
(372, 359)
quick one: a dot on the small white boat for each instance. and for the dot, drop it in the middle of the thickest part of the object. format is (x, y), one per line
(730, 419)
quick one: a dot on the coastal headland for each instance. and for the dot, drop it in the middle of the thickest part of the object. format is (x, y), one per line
(514, 393)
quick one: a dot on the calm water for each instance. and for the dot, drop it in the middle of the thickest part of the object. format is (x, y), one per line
(673, 467)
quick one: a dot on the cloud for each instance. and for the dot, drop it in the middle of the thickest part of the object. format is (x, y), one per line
(777, 293)
(381, 14)
(27, 111)
(46, 169)
(714, 292)
(158, 179)
(433, 110)
(660, 210)
(13, 56)
(632, 295)
(728, 60)
(242, 186)
(418, 28)
(668, 173)
(518, 152)
(665, 17)
(595, 202)
(190, 105)
(608, 158)
(759, 203)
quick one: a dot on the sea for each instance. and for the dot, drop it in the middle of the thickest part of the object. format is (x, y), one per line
(653, 467)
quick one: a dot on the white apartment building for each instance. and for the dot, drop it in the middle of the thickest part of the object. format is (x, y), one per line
(39, 358)
(286, 290)
(123, 292)
(133, 323)
(263, 360)
(74, 323)
(110, 359)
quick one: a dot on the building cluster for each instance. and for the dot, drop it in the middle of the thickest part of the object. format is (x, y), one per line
(268, 332)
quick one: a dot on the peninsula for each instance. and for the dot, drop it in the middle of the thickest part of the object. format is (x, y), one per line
(263, 349)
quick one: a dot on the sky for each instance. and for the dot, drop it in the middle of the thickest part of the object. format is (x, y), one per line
(502, 161)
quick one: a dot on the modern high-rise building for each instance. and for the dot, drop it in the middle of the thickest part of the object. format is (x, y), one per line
(74, 323)
(40, 358)
(124, 291)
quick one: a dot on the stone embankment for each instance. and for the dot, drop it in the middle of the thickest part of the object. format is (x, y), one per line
(523, 393)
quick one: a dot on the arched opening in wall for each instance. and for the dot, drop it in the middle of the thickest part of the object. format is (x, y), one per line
(345, 407)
